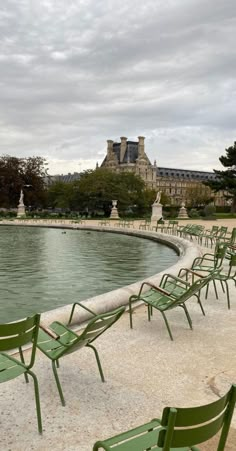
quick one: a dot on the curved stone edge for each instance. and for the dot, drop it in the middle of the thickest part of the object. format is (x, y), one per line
(116, 298)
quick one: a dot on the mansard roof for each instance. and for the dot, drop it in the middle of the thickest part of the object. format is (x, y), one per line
(131, 153)
(185, 174)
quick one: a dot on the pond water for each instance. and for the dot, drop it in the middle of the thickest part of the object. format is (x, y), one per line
(42, 268)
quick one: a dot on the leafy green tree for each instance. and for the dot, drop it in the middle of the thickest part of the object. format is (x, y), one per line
(61, 195)
(95, 191)
(226, 180)
(22, 173)
(198, 195)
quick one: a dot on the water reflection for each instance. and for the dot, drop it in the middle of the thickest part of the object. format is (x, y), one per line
(41, 269)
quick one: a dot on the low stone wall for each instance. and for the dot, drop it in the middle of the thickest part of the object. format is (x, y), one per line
(114, 299)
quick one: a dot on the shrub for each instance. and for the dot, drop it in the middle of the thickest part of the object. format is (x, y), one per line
(194, 213)
(209, 211)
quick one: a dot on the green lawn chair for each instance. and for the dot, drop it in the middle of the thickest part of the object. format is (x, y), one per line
(221, 233)
(160, 226)
(163, 299)
(183, 231)
(58, 340)
(210, 262)
(196, 232)
(230, 240)
(209, 235)
(225, 277)
(145, 225)
(179, 428)
(15, 335)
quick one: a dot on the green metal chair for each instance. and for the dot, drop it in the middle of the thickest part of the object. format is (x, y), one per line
(59, 340)
(167, 298)
(184, 230)
(145, 225)
(209, 235)
(15, 335)
(222, 232)
(210, 262)
(230, 240)
(179, 428)
(225, 277)
(171, 227)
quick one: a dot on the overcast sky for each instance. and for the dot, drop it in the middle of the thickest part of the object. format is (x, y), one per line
(75, 73)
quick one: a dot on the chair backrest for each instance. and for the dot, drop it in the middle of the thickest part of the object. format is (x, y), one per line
(17, 334)
(194, 288)
(222, 231)
(233, 236)
(192, 426)
(232, 261)
(214, 229)
(220, 252)
(96, 327)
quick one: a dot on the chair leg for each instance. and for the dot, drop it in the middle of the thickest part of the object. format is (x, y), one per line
(222, 285)
(187, 316)
(167, 325)
(227, 292)
(149, 312)
(207, 289)
(98, 361)
(201, 306)
(130, 313)
(71, 315)
(23, 361)
(58, 382)
(214, 283)
(37, 401)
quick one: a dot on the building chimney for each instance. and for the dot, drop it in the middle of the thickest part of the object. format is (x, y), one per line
(109, 147)
(141, 146)
(122, 148)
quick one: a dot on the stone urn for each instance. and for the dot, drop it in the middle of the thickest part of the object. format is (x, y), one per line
(114, 212)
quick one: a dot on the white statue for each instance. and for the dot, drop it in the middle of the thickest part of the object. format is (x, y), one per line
(158, 198)
(21, 201)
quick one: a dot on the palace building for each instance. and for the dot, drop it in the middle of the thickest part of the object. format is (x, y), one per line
(175, 183)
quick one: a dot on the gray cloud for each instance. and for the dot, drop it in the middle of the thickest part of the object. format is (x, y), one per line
(75, 73)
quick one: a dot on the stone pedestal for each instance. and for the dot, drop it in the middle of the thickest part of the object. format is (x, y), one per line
(114, 212)
(156, 212)
(183, 212)
(20, 211)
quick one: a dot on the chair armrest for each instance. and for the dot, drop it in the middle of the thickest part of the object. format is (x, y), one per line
(177, 279)
(161, 290)
(148, 284)
(86, 308)
(49, 331)
(194, 273)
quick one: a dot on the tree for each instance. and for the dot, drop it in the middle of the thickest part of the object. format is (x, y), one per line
(61, 195)
(16, 174)
(226, 180)
(95, 190)
(198, 195)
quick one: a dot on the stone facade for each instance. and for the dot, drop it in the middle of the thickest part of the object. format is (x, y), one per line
(175, 183)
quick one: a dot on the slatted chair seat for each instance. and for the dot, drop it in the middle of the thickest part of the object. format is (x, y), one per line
(59, 340)
(163, 300)
(180, 429)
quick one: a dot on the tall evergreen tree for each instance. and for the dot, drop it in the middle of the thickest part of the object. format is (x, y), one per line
(226, 180)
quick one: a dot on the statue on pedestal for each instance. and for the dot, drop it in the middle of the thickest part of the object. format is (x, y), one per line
(156, 208)
(21, 207)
